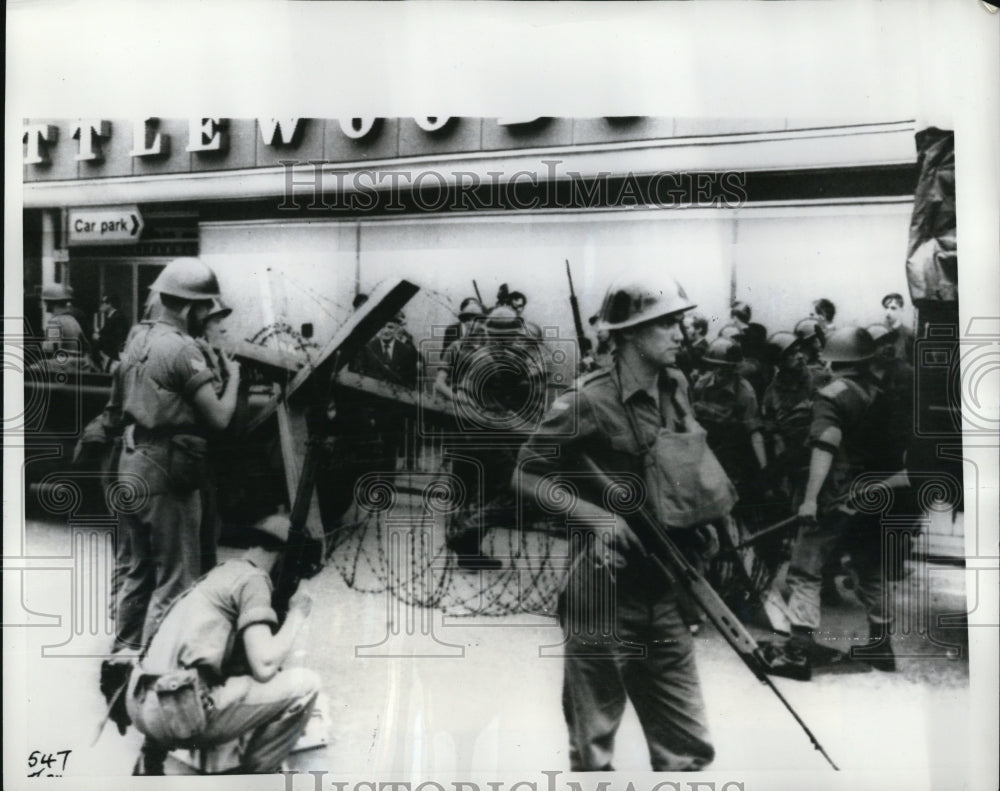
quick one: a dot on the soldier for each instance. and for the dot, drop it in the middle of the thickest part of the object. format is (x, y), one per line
(63, 331)
(214, 344)
(786, 411)
(163, 391)
(212, 671)
(499, 388)
(468, 312)
(631, 419)
(848, 436)
(726, 406)
(812, 337)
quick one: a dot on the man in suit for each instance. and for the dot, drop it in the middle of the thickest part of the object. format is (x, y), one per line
(110, 339)
(388, 358)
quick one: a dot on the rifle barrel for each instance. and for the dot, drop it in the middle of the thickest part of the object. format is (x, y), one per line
(672, 563)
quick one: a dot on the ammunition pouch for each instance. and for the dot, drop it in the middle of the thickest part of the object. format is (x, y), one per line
(182, 700)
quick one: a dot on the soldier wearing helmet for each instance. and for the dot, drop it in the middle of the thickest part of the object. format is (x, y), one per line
(163, 392)
(849, 437)
(633, 420)
(468, 311)
(726, 406)
(63, 330)
(498, 382)
(786, 410)
(812, 336)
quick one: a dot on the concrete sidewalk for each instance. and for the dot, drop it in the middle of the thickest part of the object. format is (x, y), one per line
(483, 694)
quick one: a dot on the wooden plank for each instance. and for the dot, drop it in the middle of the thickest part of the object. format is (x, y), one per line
(386, 300)
(278, 362)
(294, 434)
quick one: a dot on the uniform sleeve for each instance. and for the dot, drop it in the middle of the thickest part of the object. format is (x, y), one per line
(253, 603)
(566, 424)
(188, 370)
(831, 410)
(749, 411)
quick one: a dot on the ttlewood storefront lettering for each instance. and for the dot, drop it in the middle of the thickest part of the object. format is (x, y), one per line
(213, 138)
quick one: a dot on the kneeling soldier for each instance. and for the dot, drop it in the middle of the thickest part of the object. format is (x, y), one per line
(212, 671)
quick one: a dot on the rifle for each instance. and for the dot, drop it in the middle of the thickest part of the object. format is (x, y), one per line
(479, 296)
(678, 570)
(581, 336)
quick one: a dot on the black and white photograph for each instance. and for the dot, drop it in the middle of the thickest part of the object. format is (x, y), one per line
(646, 440)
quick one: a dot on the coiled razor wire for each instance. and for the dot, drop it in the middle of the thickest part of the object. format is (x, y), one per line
(375, 552)
(393, 538)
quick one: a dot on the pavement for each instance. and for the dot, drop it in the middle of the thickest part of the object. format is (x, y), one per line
(452, 695)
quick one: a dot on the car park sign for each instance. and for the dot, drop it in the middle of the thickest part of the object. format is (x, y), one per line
(104, 225)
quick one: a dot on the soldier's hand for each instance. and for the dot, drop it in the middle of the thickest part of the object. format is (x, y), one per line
(807, 511)
(232, 367)
(301, 600)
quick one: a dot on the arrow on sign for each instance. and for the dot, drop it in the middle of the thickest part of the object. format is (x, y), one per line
(135, 225)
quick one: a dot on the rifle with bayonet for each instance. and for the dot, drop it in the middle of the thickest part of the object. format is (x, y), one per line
(582, 340)
(660, 549)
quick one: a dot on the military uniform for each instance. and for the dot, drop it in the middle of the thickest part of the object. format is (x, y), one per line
(851, 403)
(499, 388)
(726, 406)
(202, 631)
(602, 673)
(161, 369)
(786, 412)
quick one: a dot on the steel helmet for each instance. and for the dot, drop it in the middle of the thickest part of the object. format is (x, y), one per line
(636, 298)
(470, 308)
(807, 329)
(219, 309)
(503, 319)
(57, 292)
(187, 278)
(723, 351)
(782, 342)
(730, 332)
(849, 345)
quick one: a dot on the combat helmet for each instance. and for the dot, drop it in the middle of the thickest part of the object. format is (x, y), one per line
(187, 278)
(724, 352)
(807, 329)
(849, 345)
(637, 298)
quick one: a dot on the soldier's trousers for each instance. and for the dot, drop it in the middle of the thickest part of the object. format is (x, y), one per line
(163, 539)
(602, 670)
(268, 716)
(861, 535)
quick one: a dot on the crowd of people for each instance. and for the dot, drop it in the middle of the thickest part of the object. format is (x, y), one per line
(794, 417)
